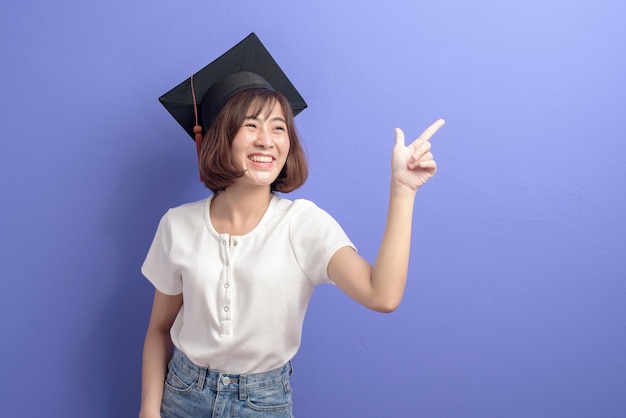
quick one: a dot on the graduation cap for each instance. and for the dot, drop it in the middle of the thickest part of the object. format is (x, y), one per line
(245, 66)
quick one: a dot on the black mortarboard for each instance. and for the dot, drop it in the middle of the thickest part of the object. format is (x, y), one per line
(246, 65)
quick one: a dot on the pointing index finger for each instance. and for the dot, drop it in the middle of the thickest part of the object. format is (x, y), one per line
(430, 131)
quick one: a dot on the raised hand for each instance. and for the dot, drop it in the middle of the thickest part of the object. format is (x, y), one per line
(413, 165)
(381, 286)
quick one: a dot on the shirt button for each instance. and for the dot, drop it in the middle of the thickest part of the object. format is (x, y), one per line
(226, 285)
(227, 264)
(224, 242)
(226, 309)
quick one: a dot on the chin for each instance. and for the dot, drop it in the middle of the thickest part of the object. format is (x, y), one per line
(260, 182)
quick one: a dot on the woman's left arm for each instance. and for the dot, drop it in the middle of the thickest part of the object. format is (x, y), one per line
(380, 287)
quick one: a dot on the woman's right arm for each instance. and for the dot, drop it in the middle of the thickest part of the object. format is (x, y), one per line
(157, 351)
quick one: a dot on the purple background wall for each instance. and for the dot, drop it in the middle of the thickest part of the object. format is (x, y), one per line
(517, 297)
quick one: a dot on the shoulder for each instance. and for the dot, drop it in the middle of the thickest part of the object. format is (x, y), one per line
(303, 215)
(298, 209)
(283, 204)
(189, 214)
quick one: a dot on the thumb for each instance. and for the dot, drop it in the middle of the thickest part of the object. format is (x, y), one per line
(399, 137)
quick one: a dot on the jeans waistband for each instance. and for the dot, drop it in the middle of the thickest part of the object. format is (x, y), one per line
(230, 381)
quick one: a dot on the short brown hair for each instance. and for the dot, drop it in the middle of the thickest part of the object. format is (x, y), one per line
(217, 171)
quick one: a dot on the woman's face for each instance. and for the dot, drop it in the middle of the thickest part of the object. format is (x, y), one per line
(260, 147)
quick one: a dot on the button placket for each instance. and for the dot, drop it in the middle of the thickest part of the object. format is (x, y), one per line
(225, 311)
(234, 242)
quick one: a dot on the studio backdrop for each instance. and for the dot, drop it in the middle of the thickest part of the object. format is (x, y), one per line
(515, 304)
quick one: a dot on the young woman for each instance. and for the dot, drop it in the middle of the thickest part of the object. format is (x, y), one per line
(234, 273)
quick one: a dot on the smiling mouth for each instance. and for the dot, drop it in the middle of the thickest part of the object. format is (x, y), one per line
(261, 159)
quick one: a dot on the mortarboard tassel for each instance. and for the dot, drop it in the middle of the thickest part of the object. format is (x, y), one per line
(197, 129)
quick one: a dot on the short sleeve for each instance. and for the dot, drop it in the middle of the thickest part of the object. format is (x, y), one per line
(158, 267)
(315, 237)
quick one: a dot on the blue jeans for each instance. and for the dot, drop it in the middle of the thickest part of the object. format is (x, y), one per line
(193, 391)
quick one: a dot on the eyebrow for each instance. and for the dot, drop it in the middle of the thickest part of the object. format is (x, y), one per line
(277, 118)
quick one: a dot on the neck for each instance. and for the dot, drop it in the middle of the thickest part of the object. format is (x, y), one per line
(236, 211)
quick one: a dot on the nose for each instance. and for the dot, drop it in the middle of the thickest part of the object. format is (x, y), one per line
(264, 139)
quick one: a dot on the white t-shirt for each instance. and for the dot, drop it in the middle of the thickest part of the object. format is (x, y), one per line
(244, 297)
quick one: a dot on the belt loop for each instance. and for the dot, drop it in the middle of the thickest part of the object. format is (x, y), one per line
(242, 387)
(201, 378)
(290, 367)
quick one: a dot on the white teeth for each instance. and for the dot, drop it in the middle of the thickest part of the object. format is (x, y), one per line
(261, 159)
